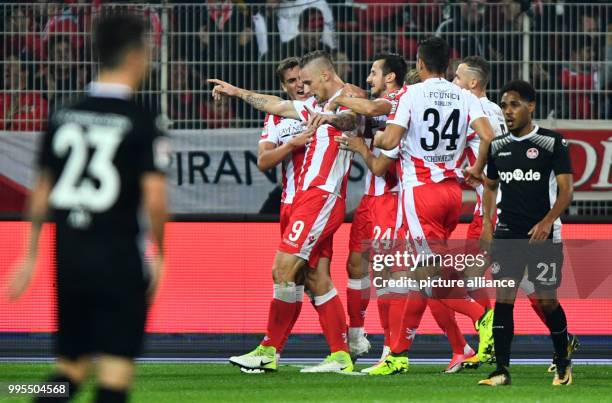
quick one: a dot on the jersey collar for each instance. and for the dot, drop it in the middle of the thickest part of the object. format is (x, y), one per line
(109, 90)
(527, 136)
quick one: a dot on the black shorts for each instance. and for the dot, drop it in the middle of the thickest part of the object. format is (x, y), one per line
(102, 305)
(512, 255)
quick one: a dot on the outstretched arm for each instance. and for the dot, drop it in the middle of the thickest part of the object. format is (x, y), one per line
(366, 107)
(265, 103)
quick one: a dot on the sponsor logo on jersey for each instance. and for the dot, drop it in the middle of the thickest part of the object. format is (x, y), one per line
(505, 154)
(518, 175)
(532, 153)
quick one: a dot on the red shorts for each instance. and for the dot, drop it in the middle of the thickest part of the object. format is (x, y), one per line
(375, 218)
(431, 213)
(285, 213)
(315, 217)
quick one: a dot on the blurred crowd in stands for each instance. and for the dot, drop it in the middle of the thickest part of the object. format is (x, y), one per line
(47, 61)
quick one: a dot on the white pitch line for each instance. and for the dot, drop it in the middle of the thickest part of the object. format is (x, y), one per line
(299, 362)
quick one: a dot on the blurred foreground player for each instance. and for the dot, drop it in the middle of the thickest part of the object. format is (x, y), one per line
(532, 167)
(101, 159)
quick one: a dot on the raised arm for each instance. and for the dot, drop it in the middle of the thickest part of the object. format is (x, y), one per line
(266, 103)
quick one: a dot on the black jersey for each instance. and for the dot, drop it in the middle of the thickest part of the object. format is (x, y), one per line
(97, 151)
(526, 168)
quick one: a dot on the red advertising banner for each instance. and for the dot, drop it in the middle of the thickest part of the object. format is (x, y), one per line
(218, 280)
(591, 153)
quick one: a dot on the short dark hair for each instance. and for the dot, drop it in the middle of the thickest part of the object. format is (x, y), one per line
(435, 53)
(481, 67)
(115, 34)
(314, 55)
(393, 63)
(284, 65)
(524, 89)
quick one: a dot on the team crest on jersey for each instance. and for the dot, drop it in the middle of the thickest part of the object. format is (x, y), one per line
(495, 267)
(532, 153)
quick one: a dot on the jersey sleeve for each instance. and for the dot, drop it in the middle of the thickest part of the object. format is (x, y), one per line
(400, 112)
(393, 153)
(269, 132)
(300, 108)
(475, 110)
(560, 158)
(46, 158)
(491, 168)
(154, 147)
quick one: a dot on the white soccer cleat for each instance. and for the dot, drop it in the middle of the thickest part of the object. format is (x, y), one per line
(340, 361)
(357, 341)
(263, 358)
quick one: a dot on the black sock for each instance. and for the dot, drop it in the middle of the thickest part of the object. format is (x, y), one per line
(106, 395)
(503, 332)
(73, 388)
(557, 324)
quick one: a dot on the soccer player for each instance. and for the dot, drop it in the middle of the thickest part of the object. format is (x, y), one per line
(317, 211)
(283, 142)
(101, 159)
(378, 217)
(473, 74)
(532, 167)
(431, 121)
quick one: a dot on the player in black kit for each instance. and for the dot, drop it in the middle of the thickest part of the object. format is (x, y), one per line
(532, 167)
(102, 159)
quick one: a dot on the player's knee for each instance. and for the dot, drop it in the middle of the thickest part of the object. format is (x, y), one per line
(76, 370)
(548, 305)
(354, 266)
(115, 372)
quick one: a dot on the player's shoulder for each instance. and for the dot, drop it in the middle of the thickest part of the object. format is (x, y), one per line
(500, 142)
(546, 138)
(404, 90)
(490, 105)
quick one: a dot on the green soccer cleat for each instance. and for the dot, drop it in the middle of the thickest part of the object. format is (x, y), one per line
(572, 345)
(263, 358)
(499, 377)
(484, 325)
(391, 365)
(340, 361)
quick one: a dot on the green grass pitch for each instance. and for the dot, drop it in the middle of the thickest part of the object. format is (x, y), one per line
(423, 383)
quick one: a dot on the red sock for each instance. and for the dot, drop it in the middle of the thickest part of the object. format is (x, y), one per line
(413, 312)
(332, 320)
(396, 312)
(299, 299)
(383, 315)
(466, 306)
(280, 320)
(481, 296)
(536, 308)
(445, 318)
(357, 300)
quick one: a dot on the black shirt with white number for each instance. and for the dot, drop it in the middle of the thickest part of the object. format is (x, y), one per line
(97, 151)
(526, 168)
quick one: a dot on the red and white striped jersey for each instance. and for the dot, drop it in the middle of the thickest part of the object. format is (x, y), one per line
(379, 185)
(279, 130)
(496, 118)
(326, 166)
(437, 115)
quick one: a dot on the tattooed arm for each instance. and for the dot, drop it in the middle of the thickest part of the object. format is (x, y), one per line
(266, 103)
(345, 121)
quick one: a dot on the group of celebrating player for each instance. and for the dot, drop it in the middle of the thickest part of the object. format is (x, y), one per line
(103, 158)
(421, 127)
